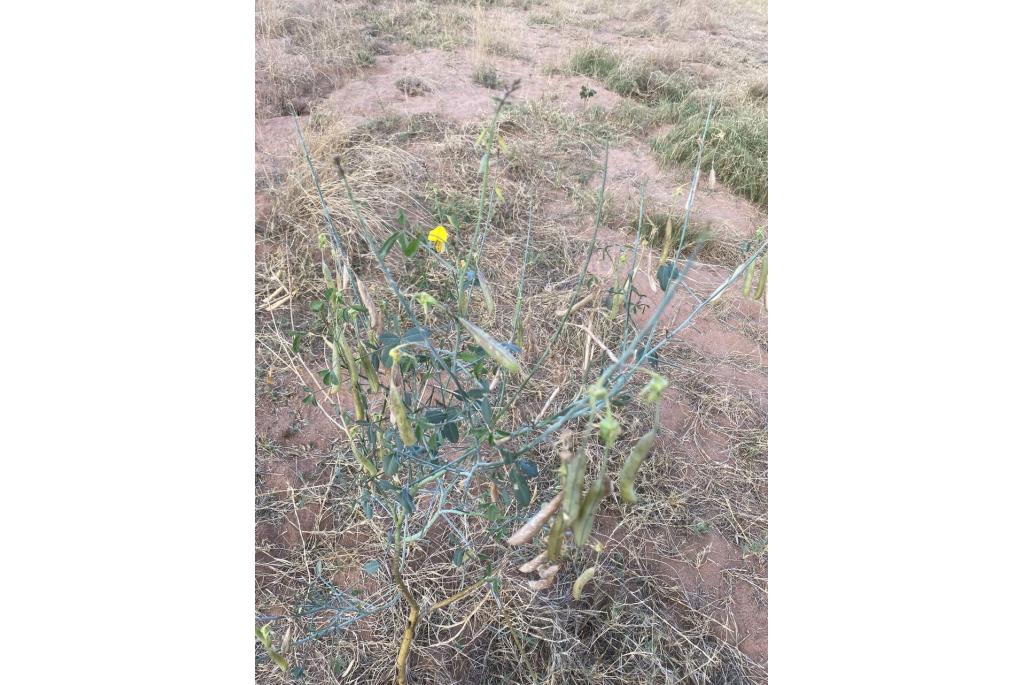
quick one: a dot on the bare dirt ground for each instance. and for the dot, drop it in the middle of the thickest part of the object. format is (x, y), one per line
(402, 91)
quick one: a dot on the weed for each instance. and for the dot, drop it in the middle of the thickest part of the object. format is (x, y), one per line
(486, 75)
(412, 86)
(429, 392)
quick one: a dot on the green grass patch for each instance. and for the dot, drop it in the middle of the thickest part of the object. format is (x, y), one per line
(737, 145)
(486, 75)
(641, 78)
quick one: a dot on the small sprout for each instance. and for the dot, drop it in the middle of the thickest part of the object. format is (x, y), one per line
(581, 582)
(263, 635)
(586, 92)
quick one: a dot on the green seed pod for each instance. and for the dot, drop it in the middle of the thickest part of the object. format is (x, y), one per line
(486, 291)
(582, 525)
(371, 373)
(761, 284)
(668, 242)
(336, 369)
(747, 280)
(492, 347)
(367, 465)
(555, 536)
(617, 301)
(400, 418)
(636, 457)
(585, 577)
(575, 466)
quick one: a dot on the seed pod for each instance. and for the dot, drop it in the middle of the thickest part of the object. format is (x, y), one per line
(532, 564)
(583, 524)
(668, 242)
(491, 347)
(747, 280)
(542, 584)
(335, 368)
(555, 536)
(371, 373)
(584, 578)
(486, 291)
(367, 465)
(761, 284)
(531, 527)
(400, 418)
(617, 300)
(548, 571)
(575, 466)
(376, 325)
(636, 457)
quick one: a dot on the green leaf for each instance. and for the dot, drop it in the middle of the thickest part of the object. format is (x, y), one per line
(519, 487)
(527, 467)
(409, 249)
(388, 341)
(416, 335)
(458, 557)
(406, 500)
(296, 339)
(371, 567)
(666, 274)
(490, 512)
(389, 243)
(391, 462)
(435, 415)
(316, 305)
(450, 431)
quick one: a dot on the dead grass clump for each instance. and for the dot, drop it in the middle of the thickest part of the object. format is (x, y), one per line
(303, 49)
(419, 23)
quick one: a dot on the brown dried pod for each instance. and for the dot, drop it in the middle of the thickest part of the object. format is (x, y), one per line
(536, 522)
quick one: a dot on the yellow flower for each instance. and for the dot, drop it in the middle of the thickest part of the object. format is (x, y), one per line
(439, 236)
